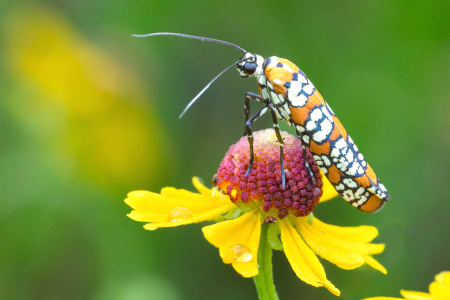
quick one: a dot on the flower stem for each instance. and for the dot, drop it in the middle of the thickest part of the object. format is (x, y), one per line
(264, 280)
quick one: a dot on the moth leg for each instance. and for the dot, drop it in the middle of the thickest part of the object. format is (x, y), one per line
(249, 96)
(299, 135)
(249, 133)
(280, 141)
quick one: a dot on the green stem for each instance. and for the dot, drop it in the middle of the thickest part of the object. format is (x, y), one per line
(264, 280)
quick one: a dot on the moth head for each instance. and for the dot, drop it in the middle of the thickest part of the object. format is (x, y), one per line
(249, 65)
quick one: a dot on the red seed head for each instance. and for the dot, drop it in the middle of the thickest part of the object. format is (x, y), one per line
(264, 185)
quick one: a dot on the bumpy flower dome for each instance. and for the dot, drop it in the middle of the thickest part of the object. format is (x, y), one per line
(263, 186)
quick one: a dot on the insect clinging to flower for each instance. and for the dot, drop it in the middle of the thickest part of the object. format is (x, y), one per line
(290, 96)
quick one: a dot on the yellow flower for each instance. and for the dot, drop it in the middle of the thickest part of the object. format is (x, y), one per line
(439, 290)
(242, 204)
(86, 108)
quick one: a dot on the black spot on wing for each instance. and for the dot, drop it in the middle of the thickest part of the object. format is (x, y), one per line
(295, 77)
(279, 65)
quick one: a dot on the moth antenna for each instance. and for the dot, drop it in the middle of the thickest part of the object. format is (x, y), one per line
(205, 88)
(205, 39)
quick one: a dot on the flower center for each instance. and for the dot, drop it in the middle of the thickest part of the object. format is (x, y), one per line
(263, 186)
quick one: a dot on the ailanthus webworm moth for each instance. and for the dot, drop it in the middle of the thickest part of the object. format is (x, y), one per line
(290, 96)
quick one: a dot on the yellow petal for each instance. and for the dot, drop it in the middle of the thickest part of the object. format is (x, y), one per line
(319, 229)
(247, 270)
(375, 264)
(196, 217)
(304, 262)
(443, 279)
(245, 232)
(142, 216)
(174, 193)
(201, 188)
(155, 203)
(438, 290)
(329, 191)
(326, 247)
(360, 234)
(382, 298)
(416, 295)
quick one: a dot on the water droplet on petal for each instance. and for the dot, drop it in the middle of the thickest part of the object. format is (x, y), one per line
(179, 213)
(241, 253)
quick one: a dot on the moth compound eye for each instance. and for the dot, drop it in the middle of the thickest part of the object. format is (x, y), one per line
(249, 68)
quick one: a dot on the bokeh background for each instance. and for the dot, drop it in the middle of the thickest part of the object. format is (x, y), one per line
(88, 113)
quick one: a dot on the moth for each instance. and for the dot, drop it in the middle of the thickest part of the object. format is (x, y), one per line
(290, 96)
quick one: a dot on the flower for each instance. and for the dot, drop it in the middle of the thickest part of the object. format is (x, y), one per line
(439, 290)
(69, 89)
(241, 204)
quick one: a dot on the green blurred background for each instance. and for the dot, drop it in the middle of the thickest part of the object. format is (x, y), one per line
(88, 113)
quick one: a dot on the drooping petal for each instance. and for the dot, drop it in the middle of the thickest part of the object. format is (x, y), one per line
(360, 234)
(329, 191)
(327, 248)
(375, 264)
(416, 295)
(175, 207)
(305, 263)
(240, 234)
(321, 229)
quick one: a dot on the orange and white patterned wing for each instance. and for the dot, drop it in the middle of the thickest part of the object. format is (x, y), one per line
(331, 146)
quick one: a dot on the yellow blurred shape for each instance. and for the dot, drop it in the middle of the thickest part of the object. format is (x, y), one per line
(105, 128)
